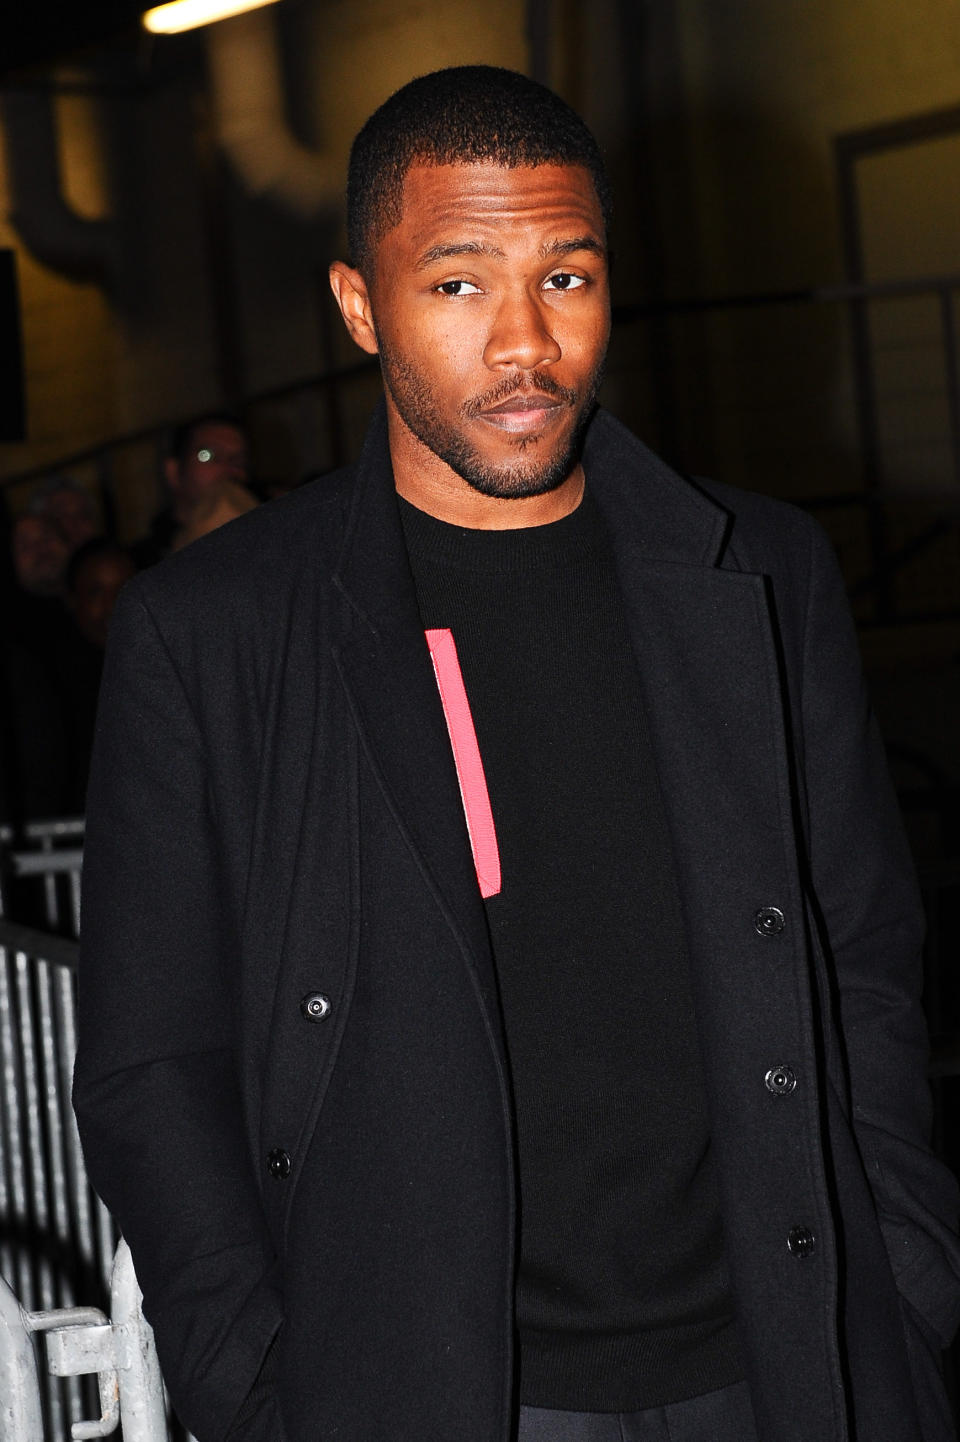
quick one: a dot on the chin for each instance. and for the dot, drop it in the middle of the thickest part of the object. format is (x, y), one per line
(514, 482)
(511, 487)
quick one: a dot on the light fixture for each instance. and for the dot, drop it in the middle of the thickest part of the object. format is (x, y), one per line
(189, 14)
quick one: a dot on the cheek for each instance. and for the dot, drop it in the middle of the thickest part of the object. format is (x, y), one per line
(442, 354)
(448, 343)
(587, 339)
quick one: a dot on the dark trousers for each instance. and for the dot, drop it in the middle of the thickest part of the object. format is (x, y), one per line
(724, 1416)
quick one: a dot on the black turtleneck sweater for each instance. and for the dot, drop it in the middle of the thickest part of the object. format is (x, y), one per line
(622, 1295)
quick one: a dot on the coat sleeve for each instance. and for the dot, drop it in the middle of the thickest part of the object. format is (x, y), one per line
(155, 1090)
(871, 918)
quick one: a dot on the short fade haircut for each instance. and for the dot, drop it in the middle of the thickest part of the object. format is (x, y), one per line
(464, 115)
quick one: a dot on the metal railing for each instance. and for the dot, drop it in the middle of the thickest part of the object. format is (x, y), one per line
(58, 1242)
(57, 1239)
(83, 1342)
(49, 853)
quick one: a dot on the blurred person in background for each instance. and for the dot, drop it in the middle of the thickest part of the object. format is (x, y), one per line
(39, 554)
(71, 508)
(96, 574)
(95, 577)
(33, 766)
(214, 509)
(205, 454)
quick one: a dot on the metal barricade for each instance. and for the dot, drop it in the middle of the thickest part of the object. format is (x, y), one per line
(82, 1341)
(57, 1239)
(48, 856)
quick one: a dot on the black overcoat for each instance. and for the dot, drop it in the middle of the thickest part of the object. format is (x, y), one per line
(291, 1082)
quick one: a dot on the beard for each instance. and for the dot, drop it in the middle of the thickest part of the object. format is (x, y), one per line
(526, 475)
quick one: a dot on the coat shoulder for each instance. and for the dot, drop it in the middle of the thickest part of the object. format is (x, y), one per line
(767, 535)
(759, 518)
(745, 530)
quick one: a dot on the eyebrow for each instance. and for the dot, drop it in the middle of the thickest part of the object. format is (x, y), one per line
(554, 249)
(557, 249)
(465, 247)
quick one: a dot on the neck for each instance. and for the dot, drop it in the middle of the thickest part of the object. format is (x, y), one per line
(477, 512)
(431, 485)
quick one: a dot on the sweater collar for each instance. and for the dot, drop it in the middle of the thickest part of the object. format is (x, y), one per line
(651, 513)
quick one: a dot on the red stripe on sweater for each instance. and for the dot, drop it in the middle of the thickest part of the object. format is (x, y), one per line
(466, 754)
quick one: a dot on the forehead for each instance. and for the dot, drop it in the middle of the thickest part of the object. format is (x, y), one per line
(450, 204)
(31, 528)
(216, 435)
(67, 499)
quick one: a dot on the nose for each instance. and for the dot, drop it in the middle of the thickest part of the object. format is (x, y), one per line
(521, 335)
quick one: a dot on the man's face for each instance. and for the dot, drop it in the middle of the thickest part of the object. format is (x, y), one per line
(40, 555)
(217, 453)
(96, 588)
(489, 307)
(73, 512)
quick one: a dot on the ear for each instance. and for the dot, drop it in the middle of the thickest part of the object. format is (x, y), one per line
(353, 298)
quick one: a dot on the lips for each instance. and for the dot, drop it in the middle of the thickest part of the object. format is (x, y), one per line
(536, 402)
(522, 414)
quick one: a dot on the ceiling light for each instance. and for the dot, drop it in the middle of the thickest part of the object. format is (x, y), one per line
(189, 14)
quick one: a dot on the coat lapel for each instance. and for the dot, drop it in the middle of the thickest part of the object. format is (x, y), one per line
(386, 670)
(707, 657)
(704, 639)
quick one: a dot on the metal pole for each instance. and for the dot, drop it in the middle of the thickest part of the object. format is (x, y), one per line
(142, 1410)
(21, 1419)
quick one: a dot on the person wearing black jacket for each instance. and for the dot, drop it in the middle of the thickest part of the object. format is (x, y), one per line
(500, 980)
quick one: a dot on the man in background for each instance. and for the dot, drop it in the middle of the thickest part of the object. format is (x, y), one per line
(208, 455)
(97, 572)
(70, 507)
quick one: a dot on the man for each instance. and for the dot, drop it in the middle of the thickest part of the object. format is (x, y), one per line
(70, 507)
(499, 1006)
(33, 765)
(40, 555)
(215, 509)
(97, 572)
(207, 455)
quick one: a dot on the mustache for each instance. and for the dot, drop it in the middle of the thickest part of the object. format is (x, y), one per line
(521, 383)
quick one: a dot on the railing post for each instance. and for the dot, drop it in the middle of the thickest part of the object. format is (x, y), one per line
(80, 1340)
(121, 1352)
(21, 1419)
(142, 1409)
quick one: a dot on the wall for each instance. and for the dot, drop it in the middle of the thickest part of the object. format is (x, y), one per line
(204, 292)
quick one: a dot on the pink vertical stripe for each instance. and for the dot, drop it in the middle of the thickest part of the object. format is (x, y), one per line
(466, 754)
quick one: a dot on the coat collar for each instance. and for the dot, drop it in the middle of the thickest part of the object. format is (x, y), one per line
(660, 526)
(651, 510)
(373, 572)
(658, 514)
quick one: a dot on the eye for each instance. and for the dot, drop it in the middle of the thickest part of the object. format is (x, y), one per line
(458, 287)
(565, 280)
